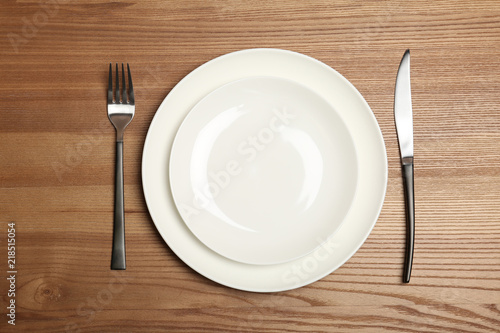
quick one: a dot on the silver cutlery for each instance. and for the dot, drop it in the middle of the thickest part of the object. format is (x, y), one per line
(121, 109)
(403, 116)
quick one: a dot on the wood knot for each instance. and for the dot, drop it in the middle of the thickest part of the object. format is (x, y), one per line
(48, 292)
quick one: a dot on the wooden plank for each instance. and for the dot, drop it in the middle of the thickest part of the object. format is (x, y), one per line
(57, 164)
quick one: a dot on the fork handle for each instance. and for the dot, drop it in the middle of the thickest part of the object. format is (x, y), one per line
(118, 254)
(410, 219)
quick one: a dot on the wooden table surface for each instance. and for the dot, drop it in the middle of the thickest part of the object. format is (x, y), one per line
(57, 164)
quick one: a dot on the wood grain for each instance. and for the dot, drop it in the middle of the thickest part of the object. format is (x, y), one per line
(57, 148)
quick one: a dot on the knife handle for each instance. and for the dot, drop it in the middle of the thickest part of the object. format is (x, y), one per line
(410, 219)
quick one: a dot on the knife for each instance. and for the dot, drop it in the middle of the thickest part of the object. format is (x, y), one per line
(403, 116)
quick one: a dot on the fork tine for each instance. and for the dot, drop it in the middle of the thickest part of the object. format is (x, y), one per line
(110, 85)
(124, 87)
(130, 86)
(117, 86)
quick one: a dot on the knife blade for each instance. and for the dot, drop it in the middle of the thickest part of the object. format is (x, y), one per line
(403, 116)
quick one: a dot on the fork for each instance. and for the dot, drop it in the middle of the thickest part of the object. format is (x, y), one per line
(121, 110)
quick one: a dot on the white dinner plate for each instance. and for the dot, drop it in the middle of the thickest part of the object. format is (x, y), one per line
(349, 105)
(261, 169)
